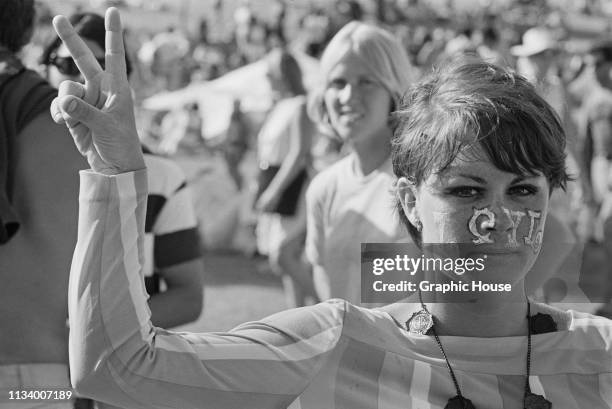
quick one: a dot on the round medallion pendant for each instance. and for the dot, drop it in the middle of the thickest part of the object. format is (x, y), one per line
(420, 322)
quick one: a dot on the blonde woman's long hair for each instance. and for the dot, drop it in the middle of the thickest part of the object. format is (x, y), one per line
(378, 50)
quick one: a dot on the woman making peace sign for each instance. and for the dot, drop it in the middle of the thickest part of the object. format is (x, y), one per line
(477, 153)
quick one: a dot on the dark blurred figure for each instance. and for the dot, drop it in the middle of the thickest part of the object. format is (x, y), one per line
(236, 144)
(38, 211)
(488, 45)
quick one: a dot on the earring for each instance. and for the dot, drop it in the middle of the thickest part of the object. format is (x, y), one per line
(419, 226)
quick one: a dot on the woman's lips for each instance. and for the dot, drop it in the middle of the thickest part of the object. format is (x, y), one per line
(350, 116)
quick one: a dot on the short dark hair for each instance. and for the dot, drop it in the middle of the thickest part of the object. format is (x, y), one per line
(16, 23)
(472, 102)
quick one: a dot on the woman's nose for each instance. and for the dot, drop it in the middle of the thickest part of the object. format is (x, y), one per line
(347, 93)
(502, 216)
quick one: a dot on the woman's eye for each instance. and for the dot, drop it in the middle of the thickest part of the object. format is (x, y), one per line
(367, 82)
(523, 190)
(466, 191)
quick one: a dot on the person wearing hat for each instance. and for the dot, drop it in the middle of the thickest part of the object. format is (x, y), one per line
(536, 60)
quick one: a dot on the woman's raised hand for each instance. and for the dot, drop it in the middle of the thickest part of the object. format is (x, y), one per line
(99, 113)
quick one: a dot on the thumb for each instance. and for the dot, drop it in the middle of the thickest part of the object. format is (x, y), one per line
(80, 111)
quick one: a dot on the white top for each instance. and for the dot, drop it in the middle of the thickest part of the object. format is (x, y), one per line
(345, 209)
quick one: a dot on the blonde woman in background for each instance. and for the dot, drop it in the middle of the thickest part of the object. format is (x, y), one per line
(365, 71)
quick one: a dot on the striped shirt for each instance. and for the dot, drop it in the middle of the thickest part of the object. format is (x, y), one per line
(332, 355)
(171, 226)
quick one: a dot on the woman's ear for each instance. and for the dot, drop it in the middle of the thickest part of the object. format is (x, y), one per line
(406, 191)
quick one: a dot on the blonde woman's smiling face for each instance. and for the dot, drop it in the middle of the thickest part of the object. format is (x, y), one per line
(358, 105)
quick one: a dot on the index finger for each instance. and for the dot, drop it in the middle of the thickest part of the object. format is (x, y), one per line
(115, 50)
(80, 52)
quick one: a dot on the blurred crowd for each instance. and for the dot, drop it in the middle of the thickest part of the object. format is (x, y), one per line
(263, 149)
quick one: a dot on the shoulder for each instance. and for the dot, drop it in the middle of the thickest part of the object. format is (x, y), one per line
(599, 104)
(164, 176)
(327, 177)
(599, 328)
(579, 331)
(562, 318)
(29, 85)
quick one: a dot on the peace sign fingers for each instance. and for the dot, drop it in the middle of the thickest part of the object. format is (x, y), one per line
(100, 113)
(82, 55)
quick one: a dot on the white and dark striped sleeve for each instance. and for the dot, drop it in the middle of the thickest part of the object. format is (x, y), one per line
(118, 357)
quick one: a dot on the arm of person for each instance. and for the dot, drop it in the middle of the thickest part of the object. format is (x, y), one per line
(116, 355)
(177, 249)
(315, 236)
(602, 152)
(299, 147)
(182, 302)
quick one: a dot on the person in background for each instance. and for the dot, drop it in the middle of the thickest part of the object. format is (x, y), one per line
(488, 45)
(364, 71)
(283, 152)
(181, 130)
(38, 222)
(537, 57)
(597, 154)
(173, 267)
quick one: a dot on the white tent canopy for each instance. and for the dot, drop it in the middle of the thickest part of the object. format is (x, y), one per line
(215, 98)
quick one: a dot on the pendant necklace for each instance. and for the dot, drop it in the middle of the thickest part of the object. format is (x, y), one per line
(423, 322)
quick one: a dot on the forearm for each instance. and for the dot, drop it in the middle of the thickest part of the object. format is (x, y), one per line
(600, 170)
(106, 248)
(321, 282)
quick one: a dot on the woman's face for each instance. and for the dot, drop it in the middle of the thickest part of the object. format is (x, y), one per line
(64, 68)
(482, 211)
(357, 104)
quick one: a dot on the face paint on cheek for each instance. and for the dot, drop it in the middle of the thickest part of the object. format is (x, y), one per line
(515, 217)
(487, 223)
(446, 227)
(533, 238)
